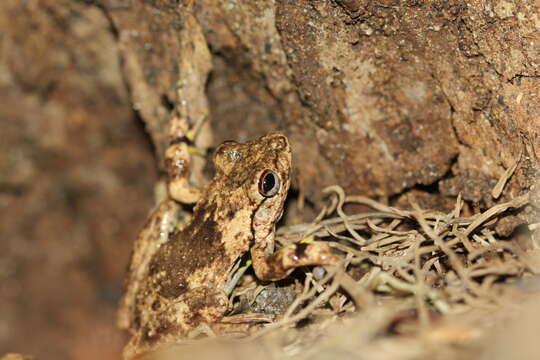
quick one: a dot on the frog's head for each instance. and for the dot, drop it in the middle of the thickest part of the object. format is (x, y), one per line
(255, 176)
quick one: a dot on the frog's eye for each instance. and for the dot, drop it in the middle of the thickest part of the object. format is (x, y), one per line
(268, 183)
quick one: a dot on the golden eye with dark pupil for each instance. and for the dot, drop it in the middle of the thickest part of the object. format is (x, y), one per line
(268, 183)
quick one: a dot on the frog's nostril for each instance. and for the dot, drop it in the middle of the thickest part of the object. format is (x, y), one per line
(279, 142)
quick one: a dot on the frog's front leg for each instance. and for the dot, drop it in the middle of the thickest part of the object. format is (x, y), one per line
(194, 66)
(269, 265)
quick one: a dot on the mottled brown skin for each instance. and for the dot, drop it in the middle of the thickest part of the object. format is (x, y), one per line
(179, 285)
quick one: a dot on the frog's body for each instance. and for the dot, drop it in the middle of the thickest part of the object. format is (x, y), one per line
(179, 283)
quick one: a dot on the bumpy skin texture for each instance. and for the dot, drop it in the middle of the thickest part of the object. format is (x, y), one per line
(179, 284)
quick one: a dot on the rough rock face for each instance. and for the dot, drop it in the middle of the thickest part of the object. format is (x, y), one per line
(378, 96)
(381, 97)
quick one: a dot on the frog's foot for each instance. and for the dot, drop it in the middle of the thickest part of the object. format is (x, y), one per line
(177, 166)
(178, 159)
(282, 262)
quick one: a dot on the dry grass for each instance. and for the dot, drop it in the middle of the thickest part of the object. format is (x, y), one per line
(412, 284)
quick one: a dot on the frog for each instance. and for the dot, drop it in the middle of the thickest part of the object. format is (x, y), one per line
(181, 278)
